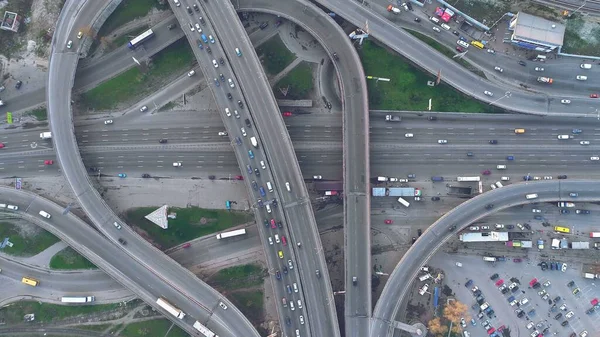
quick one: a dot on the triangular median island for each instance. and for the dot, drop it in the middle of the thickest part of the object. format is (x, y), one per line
(159, 217)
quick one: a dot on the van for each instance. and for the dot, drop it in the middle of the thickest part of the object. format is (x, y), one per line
(445, 26)
(434, 19)
(45, 214)
(424, 277)
(269, 186)
(12, 207)
(2, 205)
(501, 167)
(268, 207)
(585, 66)
(531, 196)
(518, 131)
(262, 192)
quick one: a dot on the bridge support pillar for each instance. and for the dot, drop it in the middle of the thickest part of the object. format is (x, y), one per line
(416, 330)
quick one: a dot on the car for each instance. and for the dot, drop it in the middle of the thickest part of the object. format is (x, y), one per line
(583, 334)
(486, 172)
(573, 194)
(273, 223)
(453, 32)
(18, 84)
(488, 93)
(238, 52)
(558, 316)
(243, 132)
(279, 224)
(122, 241)
(254, 185)
(222, 77)
(301, 321)
(499, 282)
(208, 50)
(510, 158)
(277, 273)
(547, 284)
(493, 141)
(177, 164)
(240, 104)
(107, 122)
(485, 228)
(435, 198)
(198, 29)
(79, 34)
(576, 291)
(236, 114)
(569, 314)
(491, 51)
(171, 26)
(584, 142)
(517, 260)
(498, 69)
(512, 285)
(442, 141)
(69, 44)
(489, 206)
(217, 83)
(535, 210)
(250, 154)
(231, 83)
(146, 175)
(191, 73)
(494, 277)
(221, 60)
(280, 254)
(388, 221)
(594, 158)
(257, 172)
(459, 49)
(539, 69)
(215, 64)
(594, 96)
(192, 27)
(562, 176)
(211, 39)
(565, 101)
(229, 96)
(545, 178)
(523, 63)
(474, 228)
(48, 162)
(463, 323)
(122, 175)
(143, 109)
(474, 289)
(436, 29)
(582, 211)
(594, 301)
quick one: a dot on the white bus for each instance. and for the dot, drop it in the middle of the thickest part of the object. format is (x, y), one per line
(231, 234)
(140, 39)
(170, 308)
(204, 330)
(403, 202)
(489, 259)
(468, 178)
(77, 299)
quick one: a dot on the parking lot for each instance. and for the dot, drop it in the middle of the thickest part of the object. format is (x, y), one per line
(535, 309)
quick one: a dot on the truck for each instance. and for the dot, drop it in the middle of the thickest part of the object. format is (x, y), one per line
(254, 142)
(170, 308)
(392, 118)
(489, 259)
(46, 135)
(477, 178)
(589, 275)
(403, 202)
(543, 79)
(393, 9)
(204, 330)
(77, 299)
(565, 204)
(594, 234)
(580, 245)
(231, 234)
(331, 193)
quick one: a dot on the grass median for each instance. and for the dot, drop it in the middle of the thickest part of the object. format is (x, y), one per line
(299, 81)
(190, 223)
(69, 259)
(156, 327)
(238, 277)
(27, 239)
(134, 83)
(44, 312)
(274, 55)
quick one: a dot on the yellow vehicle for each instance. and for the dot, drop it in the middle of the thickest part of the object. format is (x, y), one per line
(519, 131)
(30, 281)
(562, 229)
(477, 44)
(280, 253)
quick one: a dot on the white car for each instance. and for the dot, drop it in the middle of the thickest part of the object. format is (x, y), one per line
(191, 73)
(436, 29)
(547, 178)
(463, 323)
(299, 304)
(524, 301)
(144, 108)
(563, 137)
(535, 210)
(584, 142)
(442, 141)
(547, 284)
(243, 132)
(231, 83)
(499, 226)
(595, 158)
(485, 228)
(563, 307)
(565, 101)
(215, 64)
(236, 114)
(564, 268)
(474, 228)
(287, 186)
(177, 164)
(198, 29)
(581, 77)
(491, 51)
(301, 319)
(408, 135)
(223, 306)
(539, 69)
(227, 112)
(110, 121)
(317, 177)
(530, 325)
(458, 264)
(498, 69)
(69, 44)
(222, 133)
(513, 304)
(505, 178)
(569, 314)
(270, 240)
(80, 35)
(488, 93)
(512, 285)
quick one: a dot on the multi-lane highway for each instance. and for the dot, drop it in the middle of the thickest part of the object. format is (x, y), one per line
(186, 291)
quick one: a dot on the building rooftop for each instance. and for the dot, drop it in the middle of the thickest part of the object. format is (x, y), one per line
(534, 28)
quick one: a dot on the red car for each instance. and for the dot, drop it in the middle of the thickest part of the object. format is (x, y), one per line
(517, 260)
(459, 48)
(491, 330)
(187, 245)
(501, 328)
(594, 301)
(48, 162)
(273, 224)
(283, 240)
(499, 282)
(1, 145)
(594, 96)
(287, 114)
(486, 172)
(239, 178)
(532, 282)
(388, 221)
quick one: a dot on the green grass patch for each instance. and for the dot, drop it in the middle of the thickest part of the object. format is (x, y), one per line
(26, 243)
(238, 277)
(133, 83)
(408, 89)
(274, 55)
(99, 327)
(45, 313)
(191, 223)
(575, 44)
(299, 81)
(40, 114)
(251, 304)
(69, 259)
(151, 328)
(123, 39)
(128, 11)
(446, 51)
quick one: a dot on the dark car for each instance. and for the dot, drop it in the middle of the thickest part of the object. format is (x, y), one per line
(515, 289)
(274, 203)
(145, 175)
(249, 168)
(196, 7)
(222, 77)
(279, 224)
(531, 312)
(494, 277)
(171, 26)
(229, 96)
(510, 226)
(469, 283)
(521, 314)
(189, 10)
(564, 323)
(564, 211)
(18, 84)
(536, 285)
(202, 21)
(277, 23)
(557, 299)
(211, 177)
(432, 118)
(208, 49)
(288, 321)
(257, 172)
(469, 154)
(559, 315)
(240, 104)
(264, 25)
(414, 239)
(493, 141)
(459, 49)
(238, 140)
(162, 141)
(419, 232)
(435, 198)
(527, 178)
(254, 185)
(562, 176)
(335, 56)
(505, 290)
(123, 242)
(278, 275)
(571, 283)
(248, 124)
(489, 206)
(221, 60)
(523, 63)
(93, 169)
(455, 33)
(417, 20)
(285, 270)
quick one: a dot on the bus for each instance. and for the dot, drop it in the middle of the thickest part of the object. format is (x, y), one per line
(30, 281)
(231, 234)
(489, 259)
(468, 178)
(140, 39)
(477, 44)
(170, 308)
(594, 234)
(204, 330)
(562, 229)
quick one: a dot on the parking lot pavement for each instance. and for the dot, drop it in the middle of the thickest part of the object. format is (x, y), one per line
(476, 269)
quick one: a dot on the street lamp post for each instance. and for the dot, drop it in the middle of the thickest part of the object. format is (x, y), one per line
(506, 94)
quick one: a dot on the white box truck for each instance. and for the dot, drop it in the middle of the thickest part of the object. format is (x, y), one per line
(46, 135)
(254, 141)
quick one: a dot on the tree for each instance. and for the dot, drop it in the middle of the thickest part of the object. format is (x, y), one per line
(456, 310)
(436, 327)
